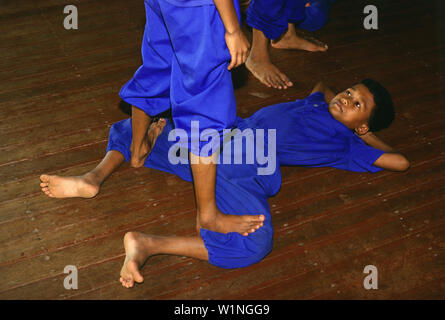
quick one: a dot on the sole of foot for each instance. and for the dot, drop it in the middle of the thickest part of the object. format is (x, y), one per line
(134, 258)
(68, 187)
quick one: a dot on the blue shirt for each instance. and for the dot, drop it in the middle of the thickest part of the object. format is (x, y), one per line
(308, 135)
(190, 3)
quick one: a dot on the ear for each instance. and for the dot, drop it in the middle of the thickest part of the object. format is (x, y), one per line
(361, 130)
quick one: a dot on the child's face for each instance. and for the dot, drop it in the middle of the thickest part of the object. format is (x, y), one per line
(353, 108)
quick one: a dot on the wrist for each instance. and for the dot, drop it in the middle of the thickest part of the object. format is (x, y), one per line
(233, 30)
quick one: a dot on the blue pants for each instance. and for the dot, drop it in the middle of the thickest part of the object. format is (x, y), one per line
(272, 16)
(239, 190)
(185, 60)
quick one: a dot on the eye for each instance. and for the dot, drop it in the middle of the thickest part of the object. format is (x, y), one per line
(357, 104)
(348, 92)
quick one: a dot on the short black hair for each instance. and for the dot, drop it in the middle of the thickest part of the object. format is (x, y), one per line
(383, 114)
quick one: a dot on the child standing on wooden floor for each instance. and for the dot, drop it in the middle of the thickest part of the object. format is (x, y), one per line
(186, 50)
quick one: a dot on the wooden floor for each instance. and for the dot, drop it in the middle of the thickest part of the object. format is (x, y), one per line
(59, 96)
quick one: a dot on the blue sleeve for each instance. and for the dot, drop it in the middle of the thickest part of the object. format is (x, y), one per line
(317, 96)
(361, 157)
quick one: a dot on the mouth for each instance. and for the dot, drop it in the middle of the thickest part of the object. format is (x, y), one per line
(338, 104)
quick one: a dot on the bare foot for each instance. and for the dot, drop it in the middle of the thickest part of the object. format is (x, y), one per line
(154, 131)
(292, 40)
(139, 154)
(263, 69)
(69, 187)
(226, 223)
(136, 251)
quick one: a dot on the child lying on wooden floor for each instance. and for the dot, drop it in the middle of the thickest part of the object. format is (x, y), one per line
(323, 129)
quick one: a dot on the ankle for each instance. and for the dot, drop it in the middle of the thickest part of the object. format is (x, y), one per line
(93, 178)
(259, 54)
(206, 219)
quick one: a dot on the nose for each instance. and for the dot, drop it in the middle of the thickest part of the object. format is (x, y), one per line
(346, 101)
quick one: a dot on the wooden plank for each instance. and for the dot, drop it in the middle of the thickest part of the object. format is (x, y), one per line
(214, 283)
(330, 222)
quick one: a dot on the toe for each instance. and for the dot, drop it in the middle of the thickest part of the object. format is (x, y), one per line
(274, 83)
(138, 278)
(280, 81)
(266, 81)
(285, 79)
(136, 275)
(277, 82)
(127, 282)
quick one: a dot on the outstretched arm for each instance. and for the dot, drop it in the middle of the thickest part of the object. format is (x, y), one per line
(236, 41)
(328, 93)
(391, 159)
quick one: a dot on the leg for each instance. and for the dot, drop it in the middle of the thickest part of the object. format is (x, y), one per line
(139, 247)
(202, 91)
(139, 147)
(268, 20)
(208, 215)
(149, 89)
(291, 40)
(85, 186)
(260, 65)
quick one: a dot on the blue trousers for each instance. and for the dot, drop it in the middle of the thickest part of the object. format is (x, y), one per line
(272, 16)
(185, 60)
(239, 190)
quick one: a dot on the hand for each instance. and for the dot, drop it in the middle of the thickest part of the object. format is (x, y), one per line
(365, 135)
(238, 47)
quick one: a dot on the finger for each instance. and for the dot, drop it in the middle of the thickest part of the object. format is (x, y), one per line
(232, 63)
(238, 59)
(244, 56)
